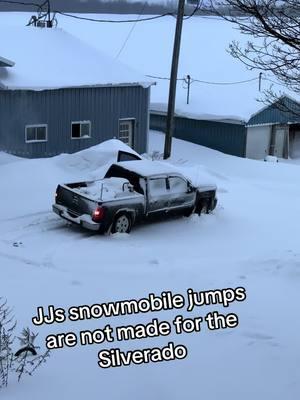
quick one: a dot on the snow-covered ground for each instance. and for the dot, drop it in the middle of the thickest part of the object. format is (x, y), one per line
(251, 240)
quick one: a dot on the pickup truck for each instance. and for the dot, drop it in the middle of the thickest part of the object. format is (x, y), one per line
(130, 192)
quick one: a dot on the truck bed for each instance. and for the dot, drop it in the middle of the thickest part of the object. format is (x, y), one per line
(103, 190)
(76, 202)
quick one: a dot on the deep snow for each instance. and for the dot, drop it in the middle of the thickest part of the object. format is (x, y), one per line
(251, 240)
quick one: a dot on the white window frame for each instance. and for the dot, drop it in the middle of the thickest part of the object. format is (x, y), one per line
(36, 126)
(133, 128)
(81, 137)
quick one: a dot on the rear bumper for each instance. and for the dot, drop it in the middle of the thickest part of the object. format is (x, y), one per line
(84, 220)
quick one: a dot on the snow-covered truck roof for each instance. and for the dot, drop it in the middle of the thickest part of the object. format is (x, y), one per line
(43, 58)
(146, 168)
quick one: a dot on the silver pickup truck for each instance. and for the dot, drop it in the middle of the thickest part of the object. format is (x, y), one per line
(131, 192)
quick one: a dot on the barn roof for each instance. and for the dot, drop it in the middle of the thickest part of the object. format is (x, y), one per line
(52, 58)
(284, 110)
(161, 109)
(4, 62)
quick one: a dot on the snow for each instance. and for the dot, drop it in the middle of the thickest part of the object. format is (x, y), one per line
(271, 159)
(161, 108)
(53, 58)
(147, 167)
(106, 189)
(204, 56)
(250, 240)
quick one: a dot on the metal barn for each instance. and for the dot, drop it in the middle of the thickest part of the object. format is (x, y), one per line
(59, 95)
(275, 130)
(219, 133)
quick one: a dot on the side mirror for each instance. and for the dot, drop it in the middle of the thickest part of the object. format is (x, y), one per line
(190, 187)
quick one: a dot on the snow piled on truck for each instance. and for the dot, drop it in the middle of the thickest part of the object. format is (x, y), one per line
(107, 189)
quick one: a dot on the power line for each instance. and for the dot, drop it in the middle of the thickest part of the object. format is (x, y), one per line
(224, 83)
(111, 20)
(131, 30)
(23, 3)
(206, 82)
(159, 77)
(198, 6)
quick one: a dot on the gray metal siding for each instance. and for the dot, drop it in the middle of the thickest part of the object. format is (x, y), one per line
(103, 106)
(284, 111)
(226, 137)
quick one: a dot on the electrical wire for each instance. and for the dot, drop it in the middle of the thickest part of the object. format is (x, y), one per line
(23, 3)
(161, 78)
(198, 6)
(131, 30)
(206, 82)
(224, 83)
(111, 20)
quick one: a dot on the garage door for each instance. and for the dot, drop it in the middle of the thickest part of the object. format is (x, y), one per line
(258, 142)
(295, 146)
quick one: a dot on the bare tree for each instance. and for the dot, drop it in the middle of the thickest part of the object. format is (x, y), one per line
(274, 26)
(26, 360)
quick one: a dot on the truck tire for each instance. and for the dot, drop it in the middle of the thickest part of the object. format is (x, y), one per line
(202, 207)
(122, 223)
(188, 212)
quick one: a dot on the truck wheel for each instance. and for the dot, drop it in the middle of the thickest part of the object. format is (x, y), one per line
(201, 207)
(122, 224)
(188, 212)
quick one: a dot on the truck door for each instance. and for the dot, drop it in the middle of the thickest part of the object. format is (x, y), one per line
(158, 195)
(181, 195)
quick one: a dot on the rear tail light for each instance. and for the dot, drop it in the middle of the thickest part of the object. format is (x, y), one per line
(98, 214)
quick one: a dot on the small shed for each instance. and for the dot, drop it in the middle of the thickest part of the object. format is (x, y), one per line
(60, 95)
(275, 130)
(223, 133)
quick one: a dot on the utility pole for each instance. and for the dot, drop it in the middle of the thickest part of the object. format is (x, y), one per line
(49, 22)
(259, 79)
(188, 78)
(173, 80)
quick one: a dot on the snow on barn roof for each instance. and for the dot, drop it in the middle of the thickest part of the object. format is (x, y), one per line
(52, 58)
(161, 109)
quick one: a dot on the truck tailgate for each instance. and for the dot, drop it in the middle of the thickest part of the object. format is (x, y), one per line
(75, 203)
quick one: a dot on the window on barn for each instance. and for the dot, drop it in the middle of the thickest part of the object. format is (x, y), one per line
(81, 130)
(126, 131)
(36, 133)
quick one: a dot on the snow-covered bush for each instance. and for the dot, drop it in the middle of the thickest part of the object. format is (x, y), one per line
(155, 155)
(25, 360)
